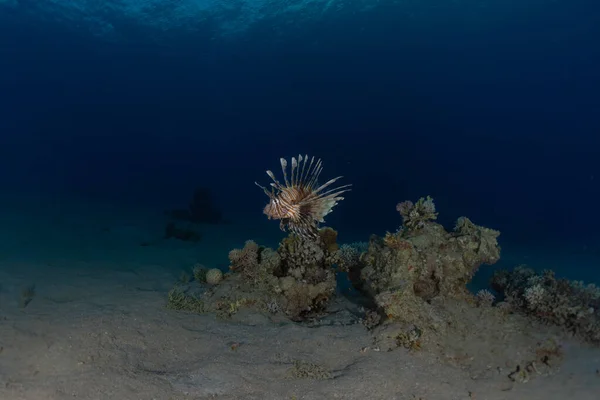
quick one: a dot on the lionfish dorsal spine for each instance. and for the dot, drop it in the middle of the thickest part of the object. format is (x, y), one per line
(299, 170)
(275, 182)
(315, 174)
(301, 180)
(310, 168)
(307, 174)
(294, 170)
(283, 162)
(312, 171)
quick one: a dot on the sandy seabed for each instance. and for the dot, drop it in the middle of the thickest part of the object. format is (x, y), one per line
(97, 328)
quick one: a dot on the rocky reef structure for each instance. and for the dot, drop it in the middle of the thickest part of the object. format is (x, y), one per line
(412, 294)
(571, 305)
(404, 273)
(296, 280)
(410, 274)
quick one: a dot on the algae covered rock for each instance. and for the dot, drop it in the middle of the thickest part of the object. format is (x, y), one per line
(199, 271)
(404, 271)
(571, 305)
(297, 279)
(214, 276)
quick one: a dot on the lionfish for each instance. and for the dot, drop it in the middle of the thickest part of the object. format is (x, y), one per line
(300, 203)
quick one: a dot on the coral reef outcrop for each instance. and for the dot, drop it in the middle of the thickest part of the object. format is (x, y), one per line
(296, 280)
(408, 272)
(410, 294)
(571, 305)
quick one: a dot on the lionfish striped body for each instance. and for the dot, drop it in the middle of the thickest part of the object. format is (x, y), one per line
(300, 203)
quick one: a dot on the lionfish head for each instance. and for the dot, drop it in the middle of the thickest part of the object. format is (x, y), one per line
(299, 202)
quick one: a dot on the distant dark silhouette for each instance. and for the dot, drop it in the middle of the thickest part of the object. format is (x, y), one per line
(172, 231)
(202, 209)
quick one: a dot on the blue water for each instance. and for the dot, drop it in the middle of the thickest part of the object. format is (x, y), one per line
(490, 107)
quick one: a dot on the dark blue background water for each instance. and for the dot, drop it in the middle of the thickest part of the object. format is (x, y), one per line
(496, 117)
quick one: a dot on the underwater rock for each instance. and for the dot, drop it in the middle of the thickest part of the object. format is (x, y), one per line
(180, 298)
(214, 276)
(296, 280)
(571, 305)
(199, 272)
(405, 271)
(430, 262)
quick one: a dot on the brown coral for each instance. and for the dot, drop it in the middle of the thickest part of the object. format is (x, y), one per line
(571, 305)
(417, 265)
(245, 258)
(298, 277)
(415, 215)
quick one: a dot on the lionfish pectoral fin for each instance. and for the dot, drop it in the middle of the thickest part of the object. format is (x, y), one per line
(331, 193)
(328, 183)
(335, 191)
(305, 225)
(284, 224)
